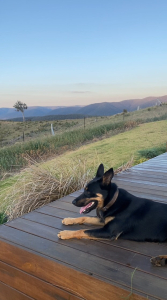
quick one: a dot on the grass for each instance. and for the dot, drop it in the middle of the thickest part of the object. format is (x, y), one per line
(14, 157)
(3, 218)
(48, 181)
(152, 152)
(119, 149)
(37, 129)
(37, 186)
(69, 135)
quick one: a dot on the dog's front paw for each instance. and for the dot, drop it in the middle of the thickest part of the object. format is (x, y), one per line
(65, 234)
(68, 221)
(159, 261)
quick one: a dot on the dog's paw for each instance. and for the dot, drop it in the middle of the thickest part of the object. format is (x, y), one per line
(68, 221)
(65, 234)
(159, 261)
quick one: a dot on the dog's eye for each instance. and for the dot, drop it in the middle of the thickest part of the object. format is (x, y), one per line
(87, 192)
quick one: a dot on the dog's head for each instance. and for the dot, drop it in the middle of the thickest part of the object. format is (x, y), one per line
(96, 191)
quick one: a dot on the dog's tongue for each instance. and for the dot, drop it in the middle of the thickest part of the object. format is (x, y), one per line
(85, 207)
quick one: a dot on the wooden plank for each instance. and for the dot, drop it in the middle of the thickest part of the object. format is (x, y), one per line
(148, 249)
(148, 196)
(77, 193)
(48, 221)
(106, 270)
(152, 164)
(155, 160)
(142, 188)
(147, 168)
(68, 207)
(67, 198)
(151, 185)
(149, 172)
(32, 286)
(101, 249)
(58, 213)
(83, 284)
(8, 293)
(140, 177)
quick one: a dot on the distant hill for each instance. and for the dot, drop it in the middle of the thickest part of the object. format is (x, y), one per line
(96, 109)
(10, 113)
(111, 108)
(65, 110)
(51, 118)
(34, 111)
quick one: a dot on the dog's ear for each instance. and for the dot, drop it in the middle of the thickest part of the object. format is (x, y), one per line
(108, 175)
(100, 171)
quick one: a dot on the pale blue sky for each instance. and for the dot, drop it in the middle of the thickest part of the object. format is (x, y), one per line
(76, 52)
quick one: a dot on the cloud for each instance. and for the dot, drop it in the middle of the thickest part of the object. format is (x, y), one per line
(81, 92)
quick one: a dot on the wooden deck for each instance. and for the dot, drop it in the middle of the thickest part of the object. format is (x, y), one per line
(35, 264)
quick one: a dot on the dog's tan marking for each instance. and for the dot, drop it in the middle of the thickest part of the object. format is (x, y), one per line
(108, 219)
(100, 200)
(86, 220)
(78, 234)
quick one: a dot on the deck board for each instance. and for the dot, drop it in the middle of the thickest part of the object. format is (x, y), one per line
(82, 269)
(6, 292)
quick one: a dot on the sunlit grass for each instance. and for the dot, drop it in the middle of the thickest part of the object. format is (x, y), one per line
(116, 150)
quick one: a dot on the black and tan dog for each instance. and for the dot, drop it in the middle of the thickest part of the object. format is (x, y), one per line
(120, 213)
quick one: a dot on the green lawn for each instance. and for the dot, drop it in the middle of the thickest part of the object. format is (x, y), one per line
(119, 149)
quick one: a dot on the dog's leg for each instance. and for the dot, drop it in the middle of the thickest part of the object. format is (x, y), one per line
(159, 261)
(86, 220)
(94, 234)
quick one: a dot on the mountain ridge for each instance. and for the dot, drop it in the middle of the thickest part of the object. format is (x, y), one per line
(94, 109)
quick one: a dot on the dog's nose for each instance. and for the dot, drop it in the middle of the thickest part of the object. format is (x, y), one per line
(74, 202)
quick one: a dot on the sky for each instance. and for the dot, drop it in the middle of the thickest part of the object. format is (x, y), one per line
(77, 52)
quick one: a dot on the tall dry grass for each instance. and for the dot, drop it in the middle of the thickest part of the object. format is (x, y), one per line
(37, 186)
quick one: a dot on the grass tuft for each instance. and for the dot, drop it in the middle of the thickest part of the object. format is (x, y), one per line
(38, 186)
(3, 218)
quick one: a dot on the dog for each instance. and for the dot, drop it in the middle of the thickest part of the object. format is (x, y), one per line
(121, 215)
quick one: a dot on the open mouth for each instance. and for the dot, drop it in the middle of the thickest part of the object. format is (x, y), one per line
(87, 208)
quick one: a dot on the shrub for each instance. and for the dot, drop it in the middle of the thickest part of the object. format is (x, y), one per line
(3, 218)
(152, 152)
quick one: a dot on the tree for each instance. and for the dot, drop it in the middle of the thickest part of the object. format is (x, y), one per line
(124, 112)
(20, 107)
